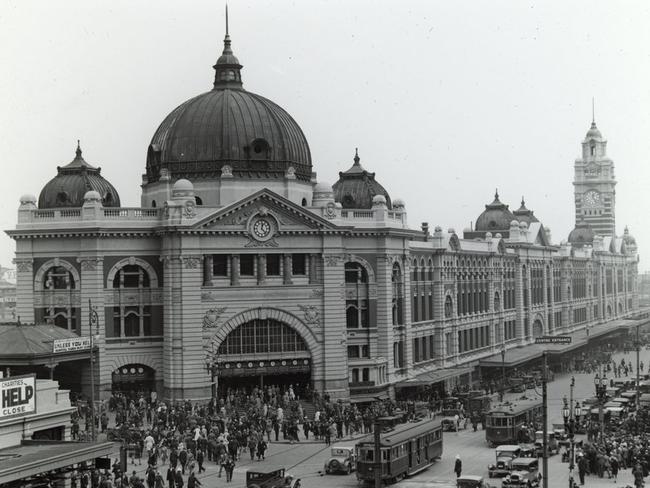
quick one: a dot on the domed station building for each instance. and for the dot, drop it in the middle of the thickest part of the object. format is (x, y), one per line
(241, 269)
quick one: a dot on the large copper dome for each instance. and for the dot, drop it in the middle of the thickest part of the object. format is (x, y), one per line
(228, 126)
(68, 187)
(496, 216)
(357, 187)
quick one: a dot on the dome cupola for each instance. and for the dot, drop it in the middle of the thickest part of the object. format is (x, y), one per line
(228, 131)
(582, 234)
(496, 216)
(68, 187)
(356, 187)
(522, 214)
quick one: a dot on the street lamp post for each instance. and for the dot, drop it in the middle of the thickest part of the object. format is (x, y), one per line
(503, 372)
(93, 319)
(566, 414)
(601, 393)
(637, 343)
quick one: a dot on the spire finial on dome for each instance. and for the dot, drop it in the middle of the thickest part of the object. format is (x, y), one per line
(523, 203)
(78, 151)
(593, 111)
(356, 156)
(496, 193)
(227, 68)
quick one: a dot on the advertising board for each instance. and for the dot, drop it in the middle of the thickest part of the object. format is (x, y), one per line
(71, 344)
(17, 396)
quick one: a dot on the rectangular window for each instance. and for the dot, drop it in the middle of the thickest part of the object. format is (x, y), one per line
(247, 265)
(365, 351)
(355, 375)
(366, 374)
(220, 264)
(299, 264)
(416, 350)
(353, 351)
(431, 346)
(273, 264)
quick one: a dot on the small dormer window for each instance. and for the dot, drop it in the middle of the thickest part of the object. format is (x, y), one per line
(593, 149)
(62, 198)
(259, 149)
(108, 199)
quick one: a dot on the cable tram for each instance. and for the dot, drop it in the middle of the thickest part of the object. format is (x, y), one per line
(504, 421)
(405, 450)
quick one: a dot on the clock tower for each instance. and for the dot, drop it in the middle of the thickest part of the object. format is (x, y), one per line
(594, 182)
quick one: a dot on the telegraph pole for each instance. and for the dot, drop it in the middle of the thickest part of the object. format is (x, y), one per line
(545, 421)
(92, 319)
(638, 350)
(377, 454)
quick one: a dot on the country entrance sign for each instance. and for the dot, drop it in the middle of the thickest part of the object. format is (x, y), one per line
(553, 340)
(71, 344)
(17, 396)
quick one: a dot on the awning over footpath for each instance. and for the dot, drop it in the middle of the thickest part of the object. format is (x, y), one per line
(520, 355)
(368, 397)
(35, 457)
(434, 376)
(30, 345)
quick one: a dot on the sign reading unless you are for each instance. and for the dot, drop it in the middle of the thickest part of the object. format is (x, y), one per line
(17, 396)
(71, 344)
(553, 340)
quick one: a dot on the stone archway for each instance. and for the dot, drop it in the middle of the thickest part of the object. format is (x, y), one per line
(538, 328)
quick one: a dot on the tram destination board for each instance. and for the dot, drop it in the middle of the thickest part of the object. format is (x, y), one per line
(553, 340)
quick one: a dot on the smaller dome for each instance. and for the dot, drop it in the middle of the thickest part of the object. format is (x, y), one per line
(488, 235)
(496, 216)
(322, 187)
(581, 235)
(379, 200)
(183, 185)
(92, 196)
(68, 187)
(523, 214)
(594, 133)
(357, 187)
(398, 203)
(523, 225)
(28, 199)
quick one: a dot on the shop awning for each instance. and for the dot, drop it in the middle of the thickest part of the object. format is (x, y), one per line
(35, 457)
(368, 397)
(434, 376)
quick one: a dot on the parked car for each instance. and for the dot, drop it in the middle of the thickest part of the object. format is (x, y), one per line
(471, 481)
(552, 445)
(341, 460)
(525, 473)
(271, 479)
(504, 456)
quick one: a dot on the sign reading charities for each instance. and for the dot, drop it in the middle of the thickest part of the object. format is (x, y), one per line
(71, 344)
(18, 396)
(553, 340)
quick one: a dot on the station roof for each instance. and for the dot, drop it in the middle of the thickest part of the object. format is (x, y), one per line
(29, 344)
(35, 457)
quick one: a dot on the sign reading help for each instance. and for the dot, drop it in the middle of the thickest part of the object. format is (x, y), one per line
(18, 396)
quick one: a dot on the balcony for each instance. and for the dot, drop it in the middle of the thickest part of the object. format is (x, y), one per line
(133, 296)
(57, 298)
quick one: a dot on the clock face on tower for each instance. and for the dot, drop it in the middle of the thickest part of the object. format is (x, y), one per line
(261, 228)
(591, 199)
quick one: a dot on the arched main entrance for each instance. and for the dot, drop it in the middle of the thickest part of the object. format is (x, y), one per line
(260, 353)
(134, 379)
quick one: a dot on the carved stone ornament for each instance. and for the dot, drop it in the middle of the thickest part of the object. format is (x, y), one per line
(317, 292)
(270, 243)
(330, 210)
(23, 265)
(211, 317)
(191, 262)
(189, 211)
(166, 210)
(226, 170)
(331, 259)
(89, 264)
(311, 313)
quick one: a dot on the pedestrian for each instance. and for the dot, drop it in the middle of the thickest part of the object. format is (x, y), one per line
(582, 468)
(458, 466)
(230, 467)
(200, 458)
(613, 463)
(261, 449)
(182, 458)
(192, 482)
(178, 478)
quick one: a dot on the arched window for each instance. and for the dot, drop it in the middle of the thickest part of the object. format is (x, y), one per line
(423, 271)
(304, 202)
(497, 302)
(356, 304)
(57, 284)
(449, 307)
(198, 200)
(132, 312)
(153, 203)
(58, 278)
(397, 295)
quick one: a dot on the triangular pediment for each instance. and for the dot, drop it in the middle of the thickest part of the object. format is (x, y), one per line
(265, 205)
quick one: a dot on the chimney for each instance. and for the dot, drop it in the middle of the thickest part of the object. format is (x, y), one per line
(425, 230)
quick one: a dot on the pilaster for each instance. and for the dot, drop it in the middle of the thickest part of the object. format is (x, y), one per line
(24, 289)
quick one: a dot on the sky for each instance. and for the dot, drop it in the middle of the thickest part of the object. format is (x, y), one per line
(446, 101)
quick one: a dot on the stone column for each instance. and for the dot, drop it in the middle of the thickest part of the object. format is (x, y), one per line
(287, 270)
(207, 270)
(24, 288)
(313, 278)
(234, 270)
(261, 269)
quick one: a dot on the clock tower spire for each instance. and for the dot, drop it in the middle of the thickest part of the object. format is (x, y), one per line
(594, 184)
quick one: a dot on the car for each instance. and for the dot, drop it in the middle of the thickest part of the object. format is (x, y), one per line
(527, 451)
(524, 474)
(471, 481)
(449, 420)
(342, 460)
(552, 444)
(504, 456)
(271, 479)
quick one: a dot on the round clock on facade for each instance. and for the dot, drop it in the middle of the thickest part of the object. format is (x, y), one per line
(261, 228)
(591, 198)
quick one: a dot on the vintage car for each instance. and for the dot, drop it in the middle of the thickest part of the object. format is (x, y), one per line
(471, 481)
(341, 460)
(504, 456)
(527, 451)
(271, 479)
(449, 420)
(552, 444)
(524, 474)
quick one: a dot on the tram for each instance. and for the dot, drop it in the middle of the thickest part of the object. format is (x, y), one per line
(504, 420)
(405, 450)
